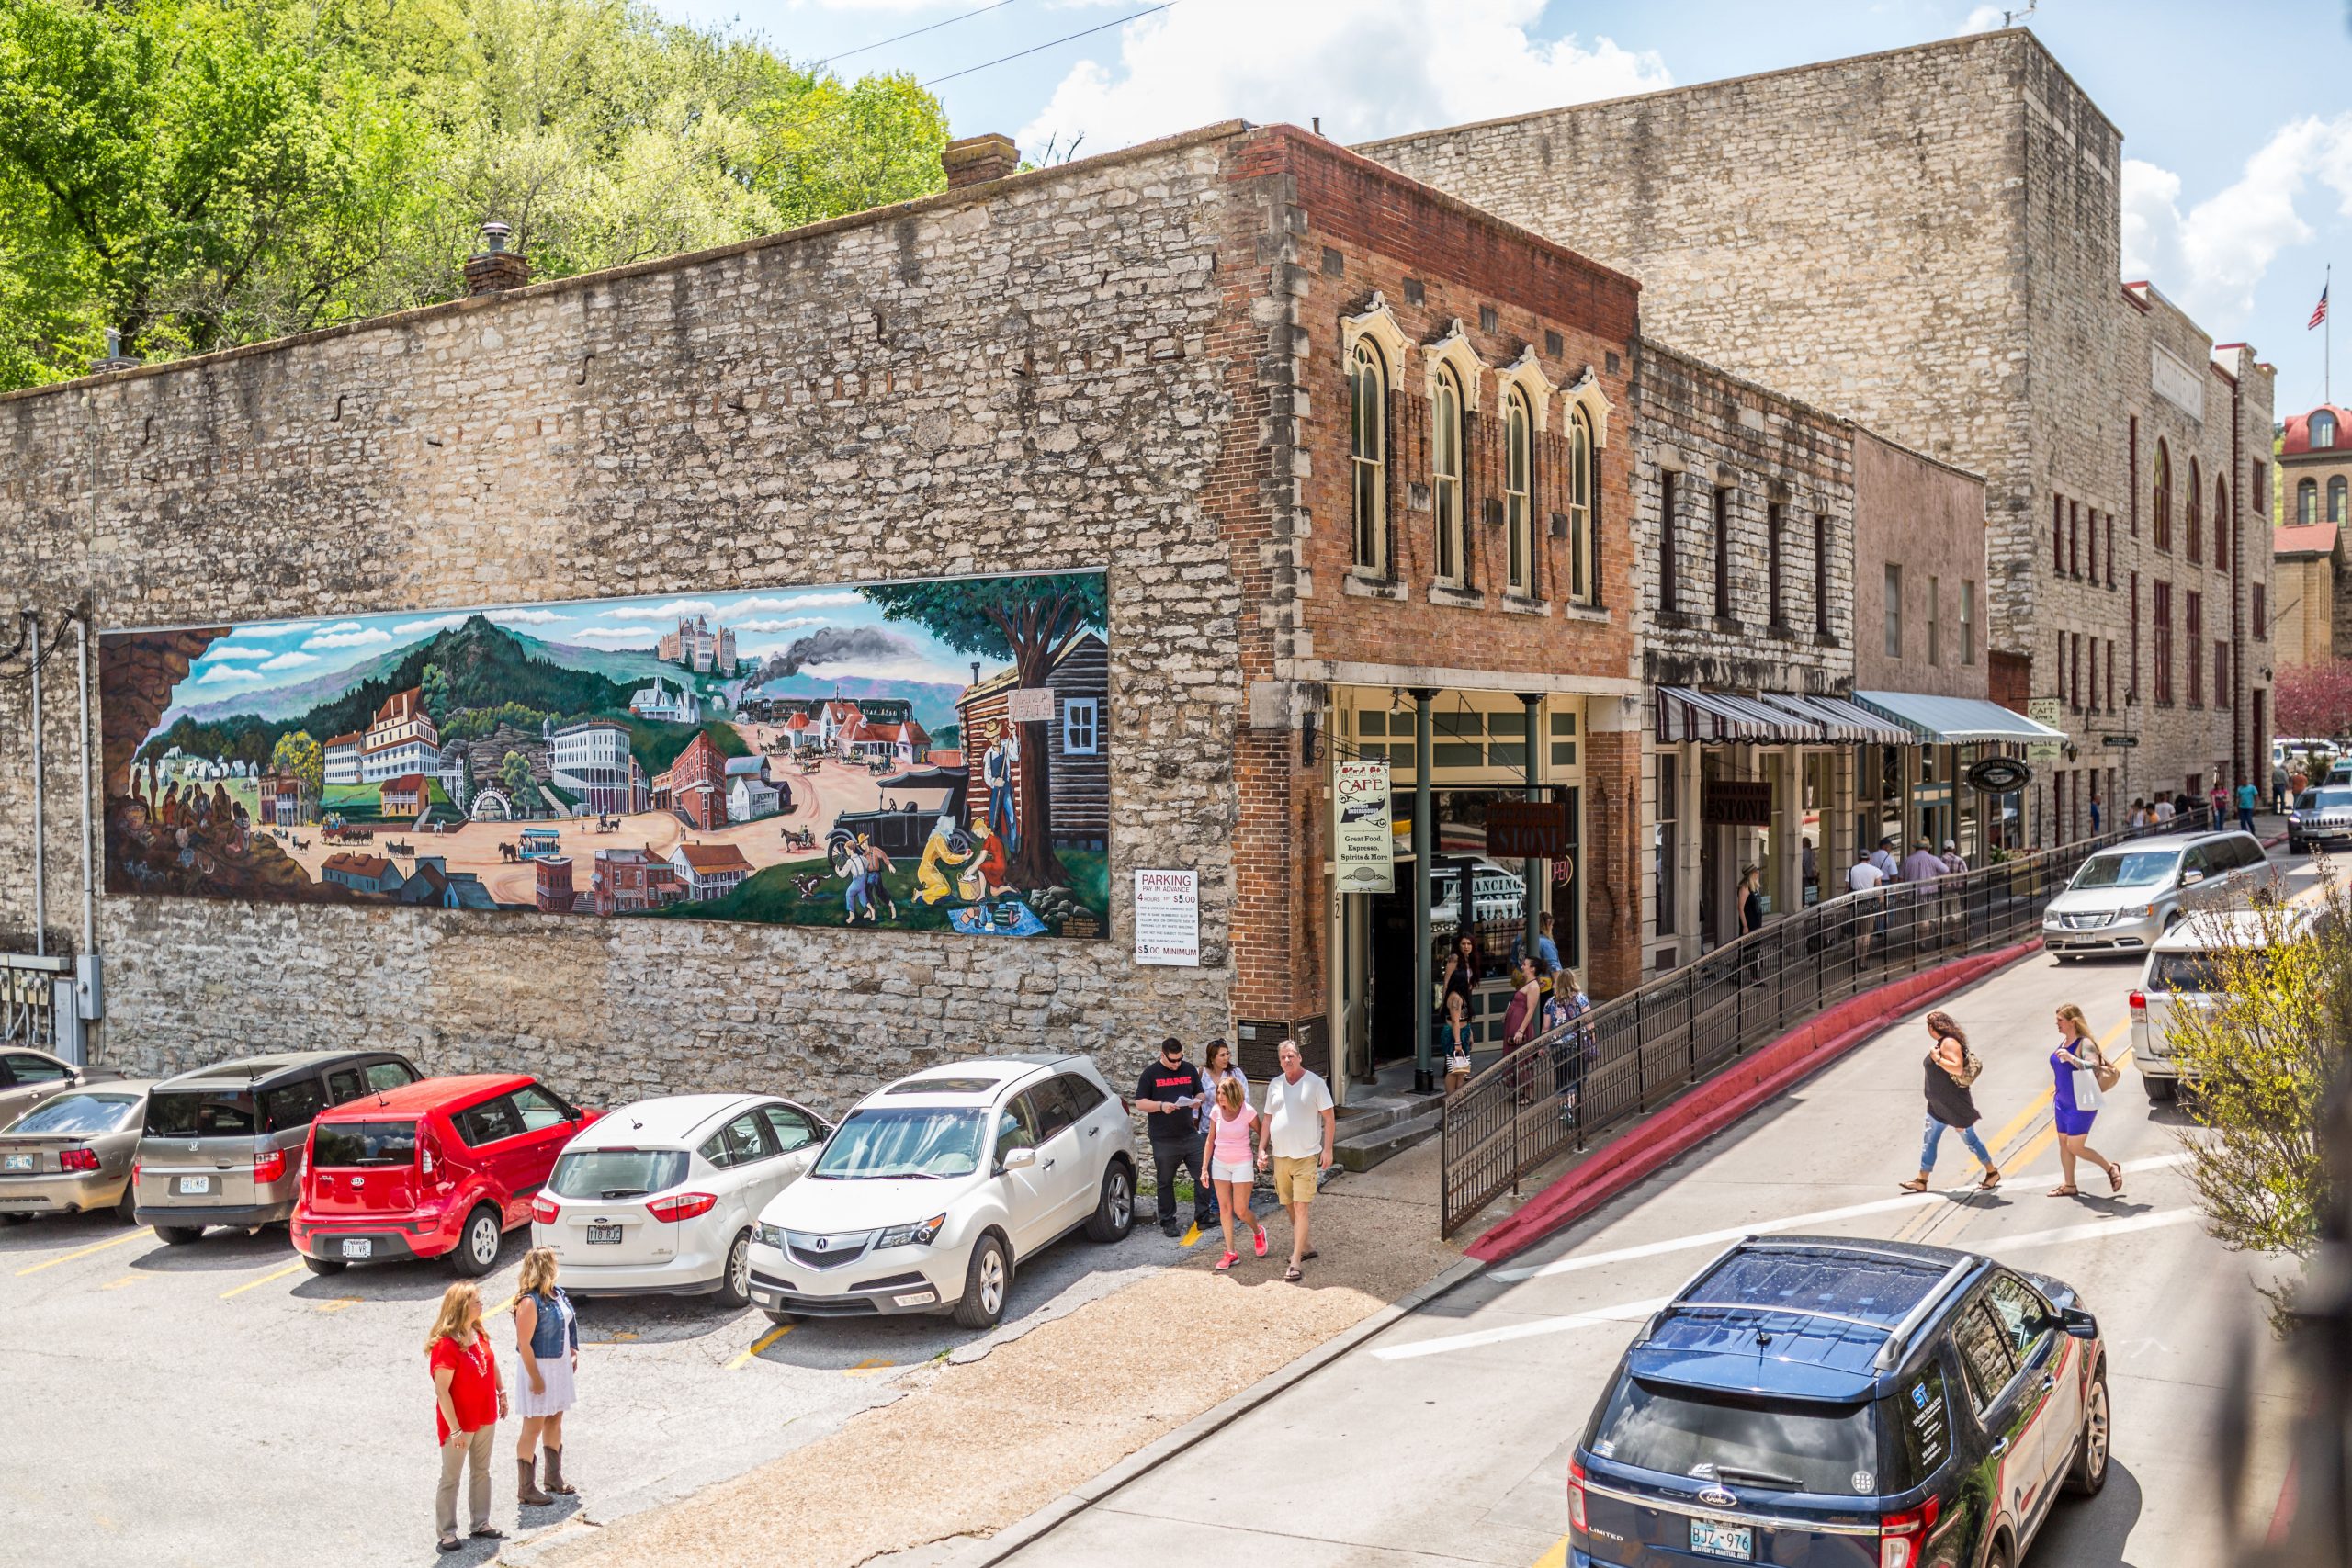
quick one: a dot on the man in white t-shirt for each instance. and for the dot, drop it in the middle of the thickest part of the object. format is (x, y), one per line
(1865, 875)
(1295, 1136)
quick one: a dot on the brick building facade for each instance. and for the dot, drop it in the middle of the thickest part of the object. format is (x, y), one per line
(2310, 613)
(1928, 241)
(1138, 362)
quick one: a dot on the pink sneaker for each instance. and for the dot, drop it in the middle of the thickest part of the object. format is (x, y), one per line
(1227, 1261)
(1260, 1241)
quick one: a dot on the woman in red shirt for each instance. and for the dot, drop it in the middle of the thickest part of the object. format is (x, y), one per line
(471, 1402)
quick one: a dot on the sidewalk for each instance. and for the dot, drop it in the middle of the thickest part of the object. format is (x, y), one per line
(1034, 1418)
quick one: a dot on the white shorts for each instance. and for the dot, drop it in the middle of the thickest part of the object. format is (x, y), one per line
(1240, 1170)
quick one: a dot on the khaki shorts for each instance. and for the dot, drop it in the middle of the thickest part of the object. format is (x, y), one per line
(1295, 1179)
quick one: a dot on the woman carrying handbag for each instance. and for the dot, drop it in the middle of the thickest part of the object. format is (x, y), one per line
(1951, 1069)
(2083, 1076)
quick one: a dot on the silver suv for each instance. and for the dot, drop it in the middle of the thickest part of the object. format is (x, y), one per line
(222, 1145)
(2123, 898)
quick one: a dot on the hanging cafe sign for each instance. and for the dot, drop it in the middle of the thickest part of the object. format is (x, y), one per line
(1998, 775)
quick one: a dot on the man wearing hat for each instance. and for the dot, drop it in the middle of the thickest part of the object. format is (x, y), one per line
(1954, 862)
(1884, 859)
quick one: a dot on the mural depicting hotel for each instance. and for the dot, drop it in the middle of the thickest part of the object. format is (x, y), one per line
(780, 756)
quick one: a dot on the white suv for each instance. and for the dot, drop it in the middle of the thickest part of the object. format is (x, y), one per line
(931, 1190)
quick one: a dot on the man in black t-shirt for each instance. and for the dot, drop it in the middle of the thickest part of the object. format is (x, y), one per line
(1168, 1092)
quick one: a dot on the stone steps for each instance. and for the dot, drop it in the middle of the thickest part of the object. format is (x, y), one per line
(1380, 1129)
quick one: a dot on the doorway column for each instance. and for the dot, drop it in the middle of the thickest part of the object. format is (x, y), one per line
(1424, 847)
(1538, 873)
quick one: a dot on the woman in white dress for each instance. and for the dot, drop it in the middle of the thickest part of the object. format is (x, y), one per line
(547, 1336)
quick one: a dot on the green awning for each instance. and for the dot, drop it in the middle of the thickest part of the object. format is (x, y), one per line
(1956, 721)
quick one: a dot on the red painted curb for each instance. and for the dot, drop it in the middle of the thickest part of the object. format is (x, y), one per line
(1718, 1102)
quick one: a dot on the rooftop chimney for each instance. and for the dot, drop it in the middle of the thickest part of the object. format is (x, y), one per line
(978, 158)
(495, 267)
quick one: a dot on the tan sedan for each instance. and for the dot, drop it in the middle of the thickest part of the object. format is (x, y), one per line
(27, 1078)
(72, 1154)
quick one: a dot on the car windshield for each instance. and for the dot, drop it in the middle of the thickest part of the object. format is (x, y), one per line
(1790, 1445)
(2324, 800)
(904, 1140)
(2131, 868)
(2199, 972)
(79, 1113)
(202, 1114)
(612, 1174)
(342, 1143)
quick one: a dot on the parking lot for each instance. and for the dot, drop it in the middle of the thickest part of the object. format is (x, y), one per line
(217, 1402)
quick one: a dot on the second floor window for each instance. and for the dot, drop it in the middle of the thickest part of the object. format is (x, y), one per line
(2307, 501)
(1821, 575)
(1722, 552)
(2335, 500)
(1584, 545)
(2161, 598)
(2222, 529)
(1445, 472)
(1968, 620)
(1670, 570)
(1518, 471)
(2196, 517)
(1368, 447)
(2161, 510)
(1893, 611)
(1773, 527)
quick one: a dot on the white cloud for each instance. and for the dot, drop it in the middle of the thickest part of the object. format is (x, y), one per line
(2212, 257)
(525, 618)
(236, 651)
(790, 622)
(920, 670)
(673, 610)
(422, 628)
(632, 637)
(219, 674)
(1984, 19)
(288, 662)
(351, 634)
(1368, 67)
(829, 599)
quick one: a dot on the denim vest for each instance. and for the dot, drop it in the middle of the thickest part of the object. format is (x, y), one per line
(554, 1326)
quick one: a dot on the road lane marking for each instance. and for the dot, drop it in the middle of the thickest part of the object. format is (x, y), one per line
(2040, 1105)
(1624, 1312)
(83, 1252)
(2095, 1229)
(126, 1280)
(1556, 1556)
(266, 1278)
(502, 1306)
(867, 1368)
(762, 1343)
(338, 1303)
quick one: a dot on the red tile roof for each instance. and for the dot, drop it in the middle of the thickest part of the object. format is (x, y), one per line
(708, 858)
(2295, 441)
(356, 864)
(407, 784)
(2303, 539)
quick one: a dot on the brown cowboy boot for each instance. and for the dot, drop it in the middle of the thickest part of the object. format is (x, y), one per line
(555, 1473)
(526, 1488)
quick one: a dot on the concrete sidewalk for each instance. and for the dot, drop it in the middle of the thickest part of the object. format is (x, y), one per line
(1046, 1414)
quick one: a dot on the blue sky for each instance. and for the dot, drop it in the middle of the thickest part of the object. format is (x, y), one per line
(2238, 118)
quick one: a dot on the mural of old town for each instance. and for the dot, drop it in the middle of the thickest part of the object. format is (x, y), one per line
(922, 755)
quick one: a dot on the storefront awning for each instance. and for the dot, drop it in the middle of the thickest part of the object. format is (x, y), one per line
(1841, 720)
(1686, 713)
(1955, 720)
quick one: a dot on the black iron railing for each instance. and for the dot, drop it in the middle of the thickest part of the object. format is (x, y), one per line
(1593, 1074)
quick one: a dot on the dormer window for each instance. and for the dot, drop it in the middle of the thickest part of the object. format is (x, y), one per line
(2323, 431)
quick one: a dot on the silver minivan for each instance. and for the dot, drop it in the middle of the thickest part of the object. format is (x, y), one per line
(222, 1145)
(2122, 900)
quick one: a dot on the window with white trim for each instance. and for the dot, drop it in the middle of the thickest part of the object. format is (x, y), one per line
(1368, 447)
(1445, 471)
(1584, 564)
(1519, 467)
(1081, 725)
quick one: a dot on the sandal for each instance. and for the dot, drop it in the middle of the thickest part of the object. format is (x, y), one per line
(1991, 1178)
(1292, 1274)
(1227, 1261)
(449, 1543)
(1310, 1252)
(2064, 1192)
(1917, 1184)
(487, 1533)
(2115, 1180)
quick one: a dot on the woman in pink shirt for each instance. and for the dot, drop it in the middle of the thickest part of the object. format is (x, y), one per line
(1227, 1159)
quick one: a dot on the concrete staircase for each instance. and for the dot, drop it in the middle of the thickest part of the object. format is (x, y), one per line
(1376, 1126)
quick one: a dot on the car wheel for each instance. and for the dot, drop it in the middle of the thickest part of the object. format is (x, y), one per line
(735, 1284)
(2088, 1472)
(781, 1319)
(126, 1208)
(179, 1236)
(323, 1265)
(1999, 1556)
(1114, 1212)
(477, 1251)
(987, 1278)
(2161, 1090)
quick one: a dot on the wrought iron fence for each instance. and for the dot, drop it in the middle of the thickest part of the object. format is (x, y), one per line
(1625, 1056)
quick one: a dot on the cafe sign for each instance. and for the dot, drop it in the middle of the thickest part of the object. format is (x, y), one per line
(1363, 850)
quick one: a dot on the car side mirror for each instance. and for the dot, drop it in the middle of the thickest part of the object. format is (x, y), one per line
(1017, 1160)
(2081, 1325)
(801, 1159)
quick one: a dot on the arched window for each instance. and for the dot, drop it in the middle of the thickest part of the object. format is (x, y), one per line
(2163, 510)
(2322, 429)
(2196, 512)
(1584, 557)
(1368, 445)
(1519, 474)
(2335, 500)
(2222, 531)
(2307, 501)
(1445, 471)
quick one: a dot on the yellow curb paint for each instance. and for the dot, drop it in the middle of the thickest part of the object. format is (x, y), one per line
(83, 1252)
(1190, 1236)
(266, 1278)
(866, 1368)
(762, 1343)
(620, 1337)
(126, 1280)
(339, 1304)
(1557, 1557)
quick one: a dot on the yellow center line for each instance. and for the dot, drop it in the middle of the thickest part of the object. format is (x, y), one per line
(85, 1252)
(502, 1306)
(762, 1343)
(266, 1278)
(2039, 1106)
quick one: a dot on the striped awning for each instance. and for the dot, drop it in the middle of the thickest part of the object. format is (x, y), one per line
(1687, 713)
(1842, 720)
(1956, 720)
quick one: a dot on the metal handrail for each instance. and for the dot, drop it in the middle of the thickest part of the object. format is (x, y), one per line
(1621, 1057)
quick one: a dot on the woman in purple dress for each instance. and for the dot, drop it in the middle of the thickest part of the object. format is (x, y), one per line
(2076, 1049)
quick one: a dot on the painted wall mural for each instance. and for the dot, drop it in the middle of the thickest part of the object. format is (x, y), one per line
(923, 755)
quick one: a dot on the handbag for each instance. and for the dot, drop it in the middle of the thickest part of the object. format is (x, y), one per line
(2088, 1096)
(2106, 1073)
(1972, 1067)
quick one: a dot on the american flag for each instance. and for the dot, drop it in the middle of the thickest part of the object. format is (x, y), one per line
(2319, 312)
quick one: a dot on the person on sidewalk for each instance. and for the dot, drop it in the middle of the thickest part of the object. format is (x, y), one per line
(1454, 1036)
(2248, 798)
(2076, 1102)
(1225, 1152)
(2095, 810)
(1751, 919)
(1461, 967)
(547, 1342)
(1954, 862)
(1951, 1106)
(2218, 799)
(1864, 877)
(471, 1403)
(1884, 858)
(1522, 1022)
(1294, 1136)
(1168, 1091)
(2278, 788)
(1216, 1066)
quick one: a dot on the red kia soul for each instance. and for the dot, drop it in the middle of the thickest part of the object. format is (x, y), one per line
(440, 1167)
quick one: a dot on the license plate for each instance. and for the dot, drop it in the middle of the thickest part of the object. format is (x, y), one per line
(359, 1247)
(1713, 1539)
(194, 1184)
(18, 1162)
(598, 1233)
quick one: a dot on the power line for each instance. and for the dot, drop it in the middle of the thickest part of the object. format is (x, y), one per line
(1103, 27)
(933, 27)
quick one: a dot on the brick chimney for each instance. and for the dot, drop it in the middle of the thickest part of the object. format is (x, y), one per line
(978, 158)
(495, 267)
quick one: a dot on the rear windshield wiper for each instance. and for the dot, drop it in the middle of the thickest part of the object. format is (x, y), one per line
(1757, 1477)
(611, 1192)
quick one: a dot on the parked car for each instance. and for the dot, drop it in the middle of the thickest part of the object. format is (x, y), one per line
(2122, 900)
(1819, 1400)
(1494, 894)
(440, 1168)
(2184, 973)
(933, 1191)
(222, 1145)
(2320, 817)
(72, 1154)
(27, 1078)
(661, 1197)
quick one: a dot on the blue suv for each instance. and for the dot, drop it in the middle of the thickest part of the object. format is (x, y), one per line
(1819, 1402)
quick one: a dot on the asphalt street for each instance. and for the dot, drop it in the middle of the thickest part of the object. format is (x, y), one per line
(218, 1404)
(1445, 1438)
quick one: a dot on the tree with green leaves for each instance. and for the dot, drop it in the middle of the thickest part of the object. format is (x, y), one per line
(305, 759)
(515, 777)
(1032, 621)
(433, 691)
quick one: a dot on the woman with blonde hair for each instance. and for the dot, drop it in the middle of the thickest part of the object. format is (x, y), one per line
(1951, 1106)
(547, 1338)
(2076, 1102)
(1226, 1157)
(472, 1403)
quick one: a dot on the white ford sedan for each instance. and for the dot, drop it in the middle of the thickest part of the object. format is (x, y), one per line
(659, 1198)
(932, 1190)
